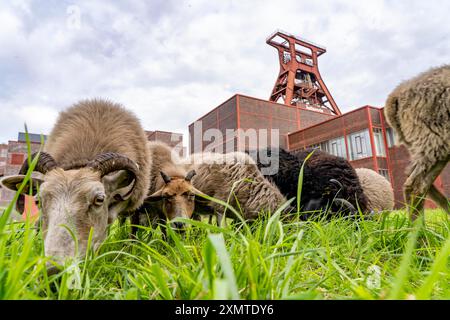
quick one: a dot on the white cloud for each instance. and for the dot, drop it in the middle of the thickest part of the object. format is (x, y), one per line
(171, 61)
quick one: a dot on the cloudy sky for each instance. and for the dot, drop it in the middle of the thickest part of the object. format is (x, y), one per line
(172, 61)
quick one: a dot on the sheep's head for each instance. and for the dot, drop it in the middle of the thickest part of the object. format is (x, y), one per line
(77, 199)
(177, 197)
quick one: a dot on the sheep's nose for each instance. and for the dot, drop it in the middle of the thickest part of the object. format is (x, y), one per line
(52, 269)
(177, 225)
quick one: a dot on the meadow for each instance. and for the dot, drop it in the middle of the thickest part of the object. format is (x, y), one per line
(381, 256)
(385, 257)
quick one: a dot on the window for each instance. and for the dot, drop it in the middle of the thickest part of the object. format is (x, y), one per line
(3, 153)
(379, 142)
(321, 146)
(359, 145)
(17, 158)
(337, 147)
(390, 137)
(384, 173)
(334, 146)
(324, 146)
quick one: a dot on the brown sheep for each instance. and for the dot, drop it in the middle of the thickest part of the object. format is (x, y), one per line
(179, 186)
(95, 167)
(220, 174)
(171, 193)
(419, 112)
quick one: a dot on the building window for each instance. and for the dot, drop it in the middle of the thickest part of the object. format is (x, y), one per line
(390, 137)
(3, 153)
(384, 173)
(379, 142)
(321, 146)
(337, 147)
(17, 158)
(333, 146)
(324, 146)
(359, 145)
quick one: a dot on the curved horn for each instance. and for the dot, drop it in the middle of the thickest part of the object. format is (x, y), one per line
(165, 177)
(189, 175)
(336, 183)
(345, 204)
(44, 164)
(111, 161)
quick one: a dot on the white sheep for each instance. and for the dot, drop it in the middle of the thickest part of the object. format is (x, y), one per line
(377, 189)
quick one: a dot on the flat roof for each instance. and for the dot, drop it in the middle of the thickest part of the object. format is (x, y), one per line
(259, 99)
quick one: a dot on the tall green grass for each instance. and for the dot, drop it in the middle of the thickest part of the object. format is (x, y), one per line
(386, 257)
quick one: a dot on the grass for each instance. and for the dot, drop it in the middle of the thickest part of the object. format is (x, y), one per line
(385, 257)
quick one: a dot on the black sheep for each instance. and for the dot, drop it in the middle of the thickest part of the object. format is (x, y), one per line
(328, 181)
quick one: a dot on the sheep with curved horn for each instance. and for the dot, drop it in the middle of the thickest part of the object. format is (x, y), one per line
(95, 167)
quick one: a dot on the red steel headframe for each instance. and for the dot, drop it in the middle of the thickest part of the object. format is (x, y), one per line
(299, 82)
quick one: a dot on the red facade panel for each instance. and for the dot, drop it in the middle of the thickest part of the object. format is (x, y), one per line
(309, 118)
(222, 117)
(17, 158)
(363, 163)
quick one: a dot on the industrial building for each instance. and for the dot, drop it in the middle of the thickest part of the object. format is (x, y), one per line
(302, 108)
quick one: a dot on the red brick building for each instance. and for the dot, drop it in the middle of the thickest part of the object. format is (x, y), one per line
(15, 156)
(363, 137)
(3, 158)
(244, 112)
(173, 139)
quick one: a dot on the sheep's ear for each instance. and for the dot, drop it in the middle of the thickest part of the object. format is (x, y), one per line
(157, 196)
(119, 184)
(14, 182)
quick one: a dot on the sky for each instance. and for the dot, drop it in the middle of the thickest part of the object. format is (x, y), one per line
(170, 62)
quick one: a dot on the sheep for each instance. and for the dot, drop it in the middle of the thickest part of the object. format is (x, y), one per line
(95, 167)
(419, 112)
(171, 193)
(234, 178)
(377, 189)
(178, 183)
(328, 181)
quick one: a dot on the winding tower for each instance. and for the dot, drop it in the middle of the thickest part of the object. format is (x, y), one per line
(299, 82)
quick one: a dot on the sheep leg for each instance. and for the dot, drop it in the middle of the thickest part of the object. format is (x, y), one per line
(313, 205)
(439, 198)
(134, 220)
(416, 187)
(220, 217)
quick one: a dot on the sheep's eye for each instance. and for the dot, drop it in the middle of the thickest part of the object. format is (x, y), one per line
(99, 199)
